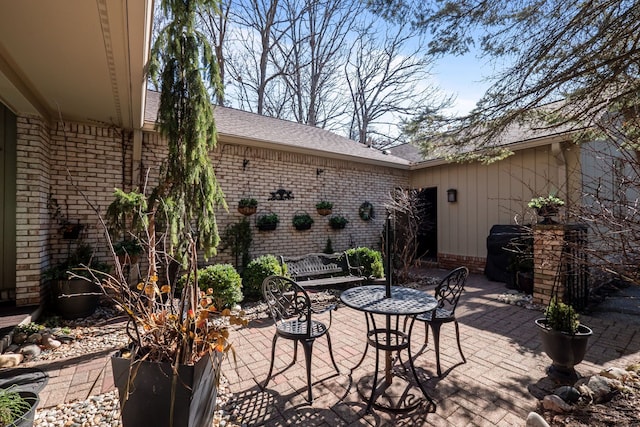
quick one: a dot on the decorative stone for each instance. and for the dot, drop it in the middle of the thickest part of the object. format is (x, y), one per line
(66, 339)
(50, 342)
(617, 374)
(9, 360)
(555, 403)
(567, 393)
(19, 338)
(34, 338)
(535, 420)
(600, 388)
(30, 351)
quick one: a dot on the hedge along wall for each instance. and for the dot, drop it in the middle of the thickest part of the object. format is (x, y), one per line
(62, 161)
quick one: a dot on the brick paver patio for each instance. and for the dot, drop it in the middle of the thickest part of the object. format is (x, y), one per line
(498, 386)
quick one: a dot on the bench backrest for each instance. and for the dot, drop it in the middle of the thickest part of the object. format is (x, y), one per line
(316, 265)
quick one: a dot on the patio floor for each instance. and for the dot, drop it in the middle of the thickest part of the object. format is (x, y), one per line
(498, 386)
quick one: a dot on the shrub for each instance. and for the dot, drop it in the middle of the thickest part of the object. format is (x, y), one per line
(221, 282)
(257, 270)
(561, 317)
(369, 259)
(12, 406)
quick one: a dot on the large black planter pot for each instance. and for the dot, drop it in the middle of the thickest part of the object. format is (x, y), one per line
(146, 398)
(76, 298)
(565, 350)
(27, 419)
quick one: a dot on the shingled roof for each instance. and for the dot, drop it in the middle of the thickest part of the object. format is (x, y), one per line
(256, 130)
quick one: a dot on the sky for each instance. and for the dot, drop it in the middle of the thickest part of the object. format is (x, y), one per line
(464, 77)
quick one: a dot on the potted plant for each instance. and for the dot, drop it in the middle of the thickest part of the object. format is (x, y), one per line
(17, 407)
(546, 206)
(302, 221)
(338, 222)
(324, 207)
(128, 250)
(267, 222)
(75, 283)
(70, 231)
(169, 373)
(247, 206)
(564, 338)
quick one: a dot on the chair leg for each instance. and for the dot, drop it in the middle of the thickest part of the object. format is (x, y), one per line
(426, 334)
(307, 345)
(273, 356)
(335, 365)
(435, 328)
(458, 338)
(295, 352)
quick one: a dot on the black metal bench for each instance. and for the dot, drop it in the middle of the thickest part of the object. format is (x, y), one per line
(323, 270)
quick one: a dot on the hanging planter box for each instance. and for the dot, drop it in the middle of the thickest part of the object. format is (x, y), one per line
(146, 397)
(247, 210)
(324, 208)
(247, 206)
(71, 231)
(302, 221)
(338, 222)
(267, 222)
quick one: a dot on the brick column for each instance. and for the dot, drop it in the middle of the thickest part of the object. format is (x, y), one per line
(547, 253)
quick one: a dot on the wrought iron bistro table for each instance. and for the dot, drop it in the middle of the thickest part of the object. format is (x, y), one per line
(403, 302)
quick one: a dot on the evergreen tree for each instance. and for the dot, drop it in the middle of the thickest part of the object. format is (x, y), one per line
(185, 67)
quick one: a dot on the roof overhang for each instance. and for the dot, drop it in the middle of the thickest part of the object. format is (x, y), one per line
(79, 59)
(515, 146)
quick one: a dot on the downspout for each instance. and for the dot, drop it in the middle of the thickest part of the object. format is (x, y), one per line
(136, 159)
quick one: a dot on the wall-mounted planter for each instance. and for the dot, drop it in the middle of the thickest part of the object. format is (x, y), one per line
(324, 208)
(338, 222)
(267, 222)
(247, 206)
(71, 231)
(302, 221)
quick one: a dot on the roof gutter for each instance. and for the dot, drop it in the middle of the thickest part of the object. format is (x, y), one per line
(514, 146)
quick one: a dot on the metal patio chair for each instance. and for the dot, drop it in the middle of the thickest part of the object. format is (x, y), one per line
(292, 311)
(448, 294)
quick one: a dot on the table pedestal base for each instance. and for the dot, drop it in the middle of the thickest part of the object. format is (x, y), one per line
(399, 396)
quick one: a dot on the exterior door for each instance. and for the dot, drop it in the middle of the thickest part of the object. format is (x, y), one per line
(7, 204)
(428, 236)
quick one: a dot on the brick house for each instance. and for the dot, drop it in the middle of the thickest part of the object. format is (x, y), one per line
(76, 121)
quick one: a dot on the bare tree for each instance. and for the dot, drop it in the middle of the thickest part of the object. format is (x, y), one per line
(215, 24)
(314, 50)
(261, 26)
(408, 212)
(583, 53)
(387, 82)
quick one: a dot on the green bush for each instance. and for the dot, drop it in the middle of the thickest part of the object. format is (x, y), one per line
(257, 270)
(369, 259)
(223, 280)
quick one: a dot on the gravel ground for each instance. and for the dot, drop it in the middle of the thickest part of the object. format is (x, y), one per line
(105, 330)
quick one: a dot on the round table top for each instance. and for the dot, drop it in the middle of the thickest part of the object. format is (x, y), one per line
(403, 301)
